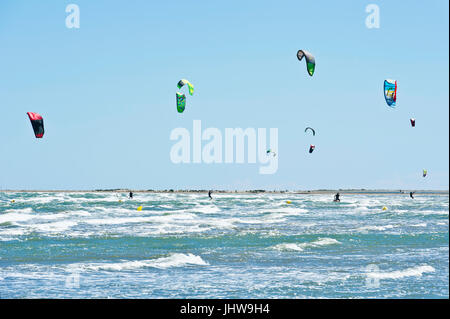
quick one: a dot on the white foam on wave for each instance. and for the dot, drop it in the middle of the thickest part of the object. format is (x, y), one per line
(381, 228)
(409, 272)
(289, 246)
(287, 210)
(43, 199)
(54, 227)
(97, 198)
(23, 215)
(10, 234)
(79, 213)
(253, 200)
(432, 212)
(205, 209)
(17, 215)
(51, 216)
(264, 220)
(117, 220)
(165, 229)
(365, 210)
(278, 214)
(113, 210)
(176, 218)
(174, 260)
(300, 247)
(220, 223)
(420, 225)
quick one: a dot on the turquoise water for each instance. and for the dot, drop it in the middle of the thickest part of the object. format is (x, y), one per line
(90, 245)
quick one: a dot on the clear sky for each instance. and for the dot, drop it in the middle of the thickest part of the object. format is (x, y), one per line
(107, 92)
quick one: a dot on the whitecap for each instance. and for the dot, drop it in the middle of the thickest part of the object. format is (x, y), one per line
(409, 272)
(381, 228)
(301, 246)
(174, 260)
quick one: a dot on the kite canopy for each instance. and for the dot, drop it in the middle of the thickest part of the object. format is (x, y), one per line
(181, 102)
(311, 148)
(181, 98)
(38, 124)
(390, 92)
(413, 122)
(183, 82)
(310, 60)
(424, 173)
(312, 130)
(269, 151)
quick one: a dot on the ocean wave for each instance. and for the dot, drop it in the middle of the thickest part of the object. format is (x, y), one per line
(19, 215)
(43, 199)
(433, 212)
(205, 209)
(381, 228)
(271, 219)
(425, 212)
(54, 227)
(419, 225)
(280, 214)
(175, 218)
(12, 233)
(79, 213)
(301, 246)
(174, 260)
(287, 210)
(409, 272)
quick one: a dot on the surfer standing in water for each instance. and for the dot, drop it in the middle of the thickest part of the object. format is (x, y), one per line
(209, 194)
(411, 194)
(336, 198)
(131, 195)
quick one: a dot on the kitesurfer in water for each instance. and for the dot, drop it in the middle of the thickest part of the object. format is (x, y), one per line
(336, 197)
(411, 194)
(209, 194)
(131, 195)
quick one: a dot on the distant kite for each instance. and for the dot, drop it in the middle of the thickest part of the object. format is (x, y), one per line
(183, 82)
(269, 151)
(181, 102)
(310, 60)
(38, 124)
(181, 98)
(312, 130)
(390, 92)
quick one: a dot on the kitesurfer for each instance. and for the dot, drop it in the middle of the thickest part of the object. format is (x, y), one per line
(131, 195)
(209, 194)
(336, 197)
(411, 194)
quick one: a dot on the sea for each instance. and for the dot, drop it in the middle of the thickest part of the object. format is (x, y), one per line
(237, 245)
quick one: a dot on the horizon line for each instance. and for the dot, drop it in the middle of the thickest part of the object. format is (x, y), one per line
(306, 191)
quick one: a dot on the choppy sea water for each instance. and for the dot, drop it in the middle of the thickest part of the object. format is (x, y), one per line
(97, 245)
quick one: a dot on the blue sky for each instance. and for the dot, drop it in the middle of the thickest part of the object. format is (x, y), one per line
(107, 92)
